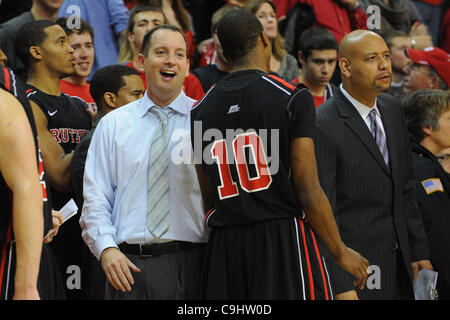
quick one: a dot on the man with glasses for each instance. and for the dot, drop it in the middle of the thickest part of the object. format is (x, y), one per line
(428, 69)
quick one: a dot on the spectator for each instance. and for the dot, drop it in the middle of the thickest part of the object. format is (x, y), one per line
(212, 73)
(318, 56)
(112, 87)
(427, 114)
(363, 153)
(427, 69)
(397, 42)
(109, 20)
(177, 15)
(281, 63)
(339, 16)
(143, 18)
(82, 42)
(444, 159)
(40, 10)
(142, 212)
(61, 121)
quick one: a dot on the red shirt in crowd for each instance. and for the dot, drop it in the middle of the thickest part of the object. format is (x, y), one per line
(192, 86)
(318, 100)
(76, 90)
(336, 18)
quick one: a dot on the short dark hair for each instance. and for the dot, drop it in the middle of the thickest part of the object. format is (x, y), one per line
(423, 108)
(30, 34)
(142, 8)
(109, 79)
(85, 27)
(316, 38)
(146, 42)
(238, 32)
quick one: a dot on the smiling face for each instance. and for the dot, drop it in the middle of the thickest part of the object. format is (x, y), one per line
(166, 66)
(84, 53)
(56, 52)
(268, 19)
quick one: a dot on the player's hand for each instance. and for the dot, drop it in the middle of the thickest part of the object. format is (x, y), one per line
(57, 221)
(356, 264)
(117, 269)
(418, 29)
(419, 265)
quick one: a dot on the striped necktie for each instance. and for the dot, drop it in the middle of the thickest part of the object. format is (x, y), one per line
(378, 135)
(158, 206)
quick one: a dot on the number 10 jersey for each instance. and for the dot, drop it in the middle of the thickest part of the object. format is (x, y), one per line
(241, 134)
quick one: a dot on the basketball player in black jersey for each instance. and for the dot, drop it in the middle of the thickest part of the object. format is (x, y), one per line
(261, 245)
(27, 268)
(61, 121)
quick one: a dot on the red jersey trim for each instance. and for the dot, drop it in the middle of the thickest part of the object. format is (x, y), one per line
(320, 265)
(285, 83)
(308, 262)
(7, 79)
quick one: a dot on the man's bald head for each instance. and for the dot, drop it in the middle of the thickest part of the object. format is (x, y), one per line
(365, 64)
(355, 41)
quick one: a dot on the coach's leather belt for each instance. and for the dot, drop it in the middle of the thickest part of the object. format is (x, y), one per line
(156, 249)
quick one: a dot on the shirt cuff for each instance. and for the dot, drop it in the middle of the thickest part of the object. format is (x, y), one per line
(104, 242)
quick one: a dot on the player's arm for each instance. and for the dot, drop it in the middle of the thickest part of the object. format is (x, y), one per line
(57, 163)
(19, 169)
(318, 210)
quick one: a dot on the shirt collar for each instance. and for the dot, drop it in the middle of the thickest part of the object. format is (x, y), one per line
(362, 109)
(179, 104)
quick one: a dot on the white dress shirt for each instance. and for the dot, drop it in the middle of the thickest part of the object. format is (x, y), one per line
(115, 178)
(364, 110)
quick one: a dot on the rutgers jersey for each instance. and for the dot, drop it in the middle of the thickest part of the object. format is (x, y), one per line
(67, 118)
(241, 133)
(10, 83)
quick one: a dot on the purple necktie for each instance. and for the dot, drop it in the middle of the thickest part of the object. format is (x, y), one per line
(378, 135)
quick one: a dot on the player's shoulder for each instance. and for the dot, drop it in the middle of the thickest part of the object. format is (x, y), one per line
(277, 84)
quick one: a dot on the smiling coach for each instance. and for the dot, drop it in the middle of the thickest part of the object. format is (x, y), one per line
(142, 212)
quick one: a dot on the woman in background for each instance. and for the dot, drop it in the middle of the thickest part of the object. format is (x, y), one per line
(281, 63)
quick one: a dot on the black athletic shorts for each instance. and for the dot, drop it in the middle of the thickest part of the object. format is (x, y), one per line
(274, 259)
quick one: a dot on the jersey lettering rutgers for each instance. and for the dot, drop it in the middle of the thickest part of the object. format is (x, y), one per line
(247, 185)
(68, 121)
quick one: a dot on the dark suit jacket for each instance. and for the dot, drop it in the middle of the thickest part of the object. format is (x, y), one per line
(373, 204)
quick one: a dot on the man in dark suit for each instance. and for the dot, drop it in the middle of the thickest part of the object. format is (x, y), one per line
(365, 169)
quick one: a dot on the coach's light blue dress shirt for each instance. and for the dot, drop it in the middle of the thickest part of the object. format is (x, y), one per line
(115, 178)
